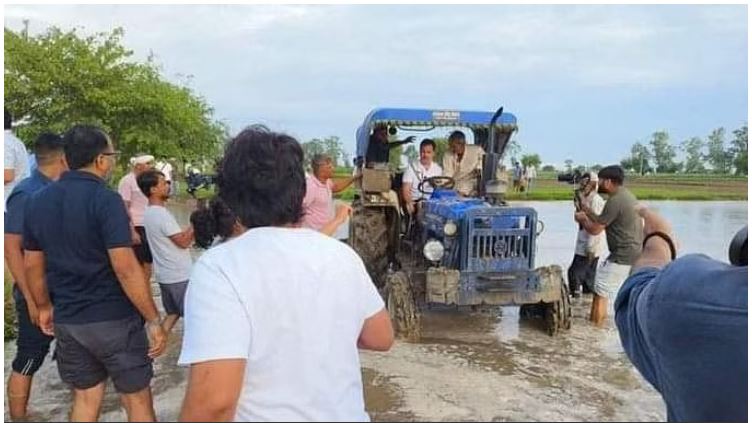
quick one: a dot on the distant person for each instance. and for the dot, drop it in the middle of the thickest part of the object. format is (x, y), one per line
(16, 159)
(463, 163)
(517, 175)
(135, 203)
(531, 173)
(683, 324)
(416, 173)
(164, 166)
(79, 261)
(379, 145)
(214, 223)
(275, 316)
(623, 235)
(32, 345)
(588, 248)
(169, 246)
(319, 210)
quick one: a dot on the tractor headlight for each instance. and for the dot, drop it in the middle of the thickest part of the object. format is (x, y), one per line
(450, 228)
(433, 250)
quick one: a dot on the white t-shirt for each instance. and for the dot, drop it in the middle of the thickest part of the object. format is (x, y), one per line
(292, 303)
(166, 169)
(17, 159)
(172, 264)
(416, 173)
(585, 241)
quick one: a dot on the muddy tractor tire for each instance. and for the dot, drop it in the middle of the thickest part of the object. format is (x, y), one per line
(402, 307)
(558, 314)
(369, 238)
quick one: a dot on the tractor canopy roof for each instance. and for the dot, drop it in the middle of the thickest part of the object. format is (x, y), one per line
(404, 118)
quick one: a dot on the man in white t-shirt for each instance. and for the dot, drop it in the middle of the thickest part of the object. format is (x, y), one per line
(169, 246)
(16, 159)
(588, 248)
(416, 173)
(275, 316)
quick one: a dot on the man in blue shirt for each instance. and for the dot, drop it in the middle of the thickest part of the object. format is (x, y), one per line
(32, 345)
(79, 260)
(683, 324)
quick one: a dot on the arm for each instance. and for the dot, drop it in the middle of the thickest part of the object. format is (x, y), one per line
(398, 143)
(132, 279)
(8, 176)
(183, 239)
(15, 259)
(34, 264)
(593, 228)
(340, 185)
(213, 391)
(656, 252)
(377, 333)
(343, 211)
(407, 196)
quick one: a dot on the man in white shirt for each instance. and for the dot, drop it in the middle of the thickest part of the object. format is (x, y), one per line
(530, 174)
(589, 248)
(463, 163)
(416, 173)
(16, 159)
(275, 316)
(169, 246)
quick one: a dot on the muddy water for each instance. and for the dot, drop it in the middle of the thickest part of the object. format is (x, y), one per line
(484, 365)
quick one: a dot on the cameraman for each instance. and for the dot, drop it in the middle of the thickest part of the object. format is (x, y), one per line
(589, 248)
(683, 324)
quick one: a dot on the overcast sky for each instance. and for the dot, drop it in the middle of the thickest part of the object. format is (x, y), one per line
(585, 82)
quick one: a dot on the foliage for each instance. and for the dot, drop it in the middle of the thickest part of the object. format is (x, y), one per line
(717, 155)
(548, 168)
(639, 159)
(331, 146)
(695, 163)
(58, 79)
(531, 160)
(739, 149)
(663, 153)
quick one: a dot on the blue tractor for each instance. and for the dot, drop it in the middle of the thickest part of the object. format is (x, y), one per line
(456, 250)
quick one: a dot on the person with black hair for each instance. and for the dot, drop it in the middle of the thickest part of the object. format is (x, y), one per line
(463, 163)
(416, 173)
(16, 159)
(379, 145)
(214, 223)
(169, 244)
(79, 261)
(623, 236)
(683, 324)
(274, 317)
(32, 345)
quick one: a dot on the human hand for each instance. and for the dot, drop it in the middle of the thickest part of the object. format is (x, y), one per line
(135, 237)
(33, 312)
(411, 138)
(653, 222)
(410, 206)
(580, 216)
(157, 338)
(44, 320)
(342, 212)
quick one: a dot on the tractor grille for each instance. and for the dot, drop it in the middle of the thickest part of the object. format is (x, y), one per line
(500, 240)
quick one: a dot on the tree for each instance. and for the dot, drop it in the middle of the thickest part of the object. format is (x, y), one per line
(638, 160)
(312, 148)
(718, 156)
(333, 148)
(531, 160)
(693, 149)
(568, 164)
(663, 153)
(548, 168)
(58, 79)
(738, 149)
(513, 149)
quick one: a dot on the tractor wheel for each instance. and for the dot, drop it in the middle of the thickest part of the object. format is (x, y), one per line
(369, 238)
(558, 314)
(401, 306)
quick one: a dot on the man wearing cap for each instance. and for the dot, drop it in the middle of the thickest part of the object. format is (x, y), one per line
(463, 163)
(136, 203)
(589, 248)
(623, 228)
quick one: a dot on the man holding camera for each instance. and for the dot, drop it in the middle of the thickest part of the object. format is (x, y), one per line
(589, 248)
(623, 234)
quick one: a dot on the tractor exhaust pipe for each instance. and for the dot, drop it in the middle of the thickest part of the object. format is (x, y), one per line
(491, 187)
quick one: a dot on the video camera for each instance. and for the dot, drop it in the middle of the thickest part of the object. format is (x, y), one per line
(196, 181)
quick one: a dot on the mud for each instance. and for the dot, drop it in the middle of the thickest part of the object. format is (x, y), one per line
(482, 365)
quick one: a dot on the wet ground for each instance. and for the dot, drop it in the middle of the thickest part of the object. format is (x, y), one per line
(485, 365)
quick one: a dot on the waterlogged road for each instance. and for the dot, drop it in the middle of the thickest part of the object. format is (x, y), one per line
(486, 365)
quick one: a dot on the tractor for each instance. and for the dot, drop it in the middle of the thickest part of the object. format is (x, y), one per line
(456, 251)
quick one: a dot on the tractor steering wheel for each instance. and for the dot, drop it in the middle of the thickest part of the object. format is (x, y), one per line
(436, 182)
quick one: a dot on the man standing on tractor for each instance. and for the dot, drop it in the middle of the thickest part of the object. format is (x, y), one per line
(416, 173)
(463, 163)
(379, 145)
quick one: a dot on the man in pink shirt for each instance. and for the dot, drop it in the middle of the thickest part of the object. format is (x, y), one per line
(135, 203)
(318, 206)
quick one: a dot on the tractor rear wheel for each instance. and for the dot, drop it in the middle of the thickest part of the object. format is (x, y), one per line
(369, 238)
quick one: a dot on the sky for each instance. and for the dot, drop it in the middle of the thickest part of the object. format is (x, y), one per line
(585, 82)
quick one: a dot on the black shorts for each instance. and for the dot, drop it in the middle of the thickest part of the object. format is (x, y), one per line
(142, 250)
(582, 273)
(88, 353)
(173, 296)
(32, 345)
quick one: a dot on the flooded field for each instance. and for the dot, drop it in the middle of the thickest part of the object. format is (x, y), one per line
(483, 365)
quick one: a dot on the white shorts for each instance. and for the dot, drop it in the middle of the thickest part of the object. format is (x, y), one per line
(609, 277)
